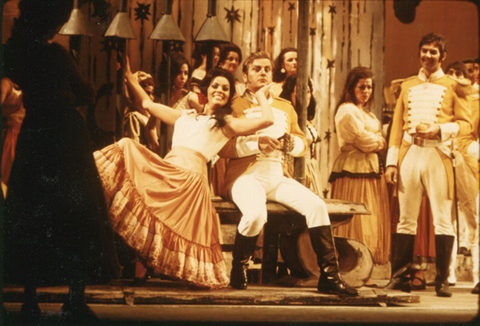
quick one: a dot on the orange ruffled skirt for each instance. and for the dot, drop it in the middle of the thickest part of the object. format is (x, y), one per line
(162, 208)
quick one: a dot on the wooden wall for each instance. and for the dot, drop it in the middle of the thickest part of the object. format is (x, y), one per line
(343, 34)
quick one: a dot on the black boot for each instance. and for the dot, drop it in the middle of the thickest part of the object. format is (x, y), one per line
(330, 281)
(242, 251)
(443, 249)
(402, 255)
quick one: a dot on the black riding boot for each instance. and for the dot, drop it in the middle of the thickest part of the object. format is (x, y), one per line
(330, 281)
(402, 255)
(242, 251)
(443, 248)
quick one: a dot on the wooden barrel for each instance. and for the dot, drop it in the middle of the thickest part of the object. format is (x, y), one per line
(355, 261)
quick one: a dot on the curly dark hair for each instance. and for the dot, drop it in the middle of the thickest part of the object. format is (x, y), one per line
(278, 75)
(177, 61)
(287, 91)
(226, 49)
(220, 113)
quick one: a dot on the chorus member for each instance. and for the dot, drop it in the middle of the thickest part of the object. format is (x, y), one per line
(285, 65)
(136, 123)
(358, 172)
(200, 56)
(230, 59)
(312, 172)
(179, 76)
(419, 159)
(13, 113)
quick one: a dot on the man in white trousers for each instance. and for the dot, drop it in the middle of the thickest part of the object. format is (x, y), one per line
(431, 111)
(255, 174)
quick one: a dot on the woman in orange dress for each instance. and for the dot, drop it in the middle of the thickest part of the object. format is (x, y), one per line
(162, 207)
(357, 174)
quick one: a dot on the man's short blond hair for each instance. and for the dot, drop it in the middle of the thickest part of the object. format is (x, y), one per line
(254, 56)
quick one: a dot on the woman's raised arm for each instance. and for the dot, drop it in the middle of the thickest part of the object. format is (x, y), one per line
(143, 101)
(240, 127)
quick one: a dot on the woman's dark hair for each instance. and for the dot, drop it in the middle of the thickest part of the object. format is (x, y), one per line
(177, 61)
(220, 113)
(288, 89)
(200, 49)
(348, 93)
(227, 48)
(278, 75)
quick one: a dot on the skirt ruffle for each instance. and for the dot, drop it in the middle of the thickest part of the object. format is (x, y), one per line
(164, 212)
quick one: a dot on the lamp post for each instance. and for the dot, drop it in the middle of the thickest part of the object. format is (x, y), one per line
(75, 27)
(121, 28)
(168, 32)
(211, 32)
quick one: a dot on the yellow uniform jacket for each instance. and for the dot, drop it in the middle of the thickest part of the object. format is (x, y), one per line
(439, 99)
(243, 150)
(468, 144)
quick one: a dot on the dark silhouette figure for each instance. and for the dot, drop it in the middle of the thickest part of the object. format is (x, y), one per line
(57, 230)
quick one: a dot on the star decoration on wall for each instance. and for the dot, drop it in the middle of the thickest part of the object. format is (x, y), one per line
(142, 11)
(108, 45)
(332, 10)
(313, 31)
(100, 8)
(325, 192)
(271, 30)
(232, 15)
(328, 134)
(330, 64)
(291, 6)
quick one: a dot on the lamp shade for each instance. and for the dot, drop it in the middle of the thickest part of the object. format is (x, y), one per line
(167, 30)
(121, 27)
(76, 25)
(211, 30)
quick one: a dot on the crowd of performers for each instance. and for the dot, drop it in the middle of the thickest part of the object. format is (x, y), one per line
(68, 209)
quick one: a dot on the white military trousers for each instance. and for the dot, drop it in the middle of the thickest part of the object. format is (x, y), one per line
(422, 170)
(264, 181)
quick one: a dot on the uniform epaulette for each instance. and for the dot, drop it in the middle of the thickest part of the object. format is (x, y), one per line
(395, 86)
(461, 81)
(463, 86)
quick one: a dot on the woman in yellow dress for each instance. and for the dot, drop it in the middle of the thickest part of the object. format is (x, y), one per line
(358, 173)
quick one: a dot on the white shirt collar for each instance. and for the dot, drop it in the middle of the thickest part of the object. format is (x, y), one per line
(436, 75)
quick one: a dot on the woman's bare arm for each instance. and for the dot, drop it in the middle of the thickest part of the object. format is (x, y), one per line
(240, 127)
(143, 101)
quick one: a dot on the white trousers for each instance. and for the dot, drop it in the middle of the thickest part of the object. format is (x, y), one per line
(265, 181)
(467, 206)
(422, 170)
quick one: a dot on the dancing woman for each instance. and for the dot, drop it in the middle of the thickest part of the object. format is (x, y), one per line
(162, 207)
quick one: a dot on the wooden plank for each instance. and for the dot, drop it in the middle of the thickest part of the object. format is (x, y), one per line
(168, 292)
(334, 207)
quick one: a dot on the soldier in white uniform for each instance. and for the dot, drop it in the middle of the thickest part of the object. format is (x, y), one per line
(430, 112)
(255, 174)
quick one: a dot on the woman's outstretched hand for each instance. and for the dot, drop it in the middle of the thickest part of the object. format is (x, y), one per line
(128, 69)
